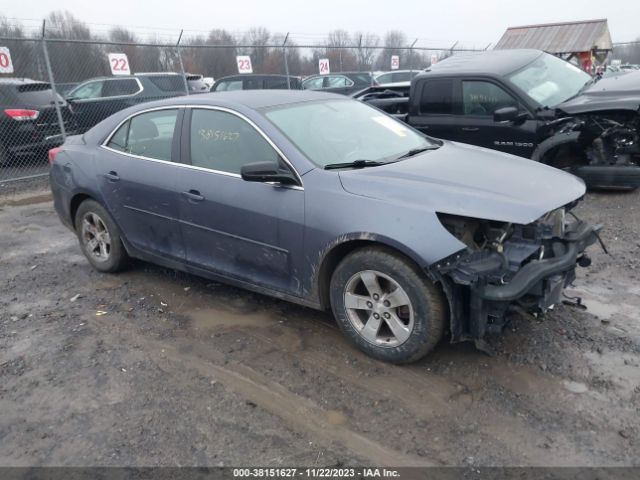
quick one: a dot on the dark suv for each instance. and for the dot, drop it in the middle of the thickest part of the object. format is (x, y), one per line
(96, 99)
(28, 121)
(256, 82)
(343, 82)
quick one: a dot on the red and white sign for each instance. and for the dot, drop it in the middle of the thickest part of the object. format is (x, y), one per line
(395, 62)
(6, 66)
(323, 66)
(434, 59)
(119, 64)
(244, 64)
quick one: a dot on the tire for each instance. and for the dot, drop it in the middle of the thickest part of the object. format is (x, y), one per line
(608, 177)
(417, 308)
(100, 238)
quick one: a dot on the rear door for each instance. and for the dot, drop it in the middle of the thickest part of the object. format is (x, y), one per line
(139, 177)
(248, 231)
(434, 108)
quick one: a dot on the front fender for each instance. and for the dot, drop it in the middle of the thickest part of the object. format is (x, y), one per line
(553, 142)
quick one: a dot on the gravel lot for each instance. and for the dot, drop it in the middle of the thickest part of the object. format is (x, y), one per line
(155, 367)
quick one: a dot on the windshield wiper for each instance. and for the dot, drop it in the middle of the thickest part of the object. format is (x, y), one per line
(416, 151)
(354, 164)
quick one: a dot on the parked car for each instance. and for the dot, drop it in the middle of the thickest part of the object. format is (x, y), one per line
(395, 77)
(343, 82)
(256, 82)
(531, 104)
(28, 122)
(96, 99)
(324, 201)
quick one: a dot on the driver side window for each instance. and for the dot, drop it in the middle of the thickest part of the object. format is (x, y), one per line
(225, 142)
(483, 98)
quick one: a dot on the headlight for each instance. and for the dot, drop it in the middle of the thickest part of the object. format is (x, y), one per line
(556, 220)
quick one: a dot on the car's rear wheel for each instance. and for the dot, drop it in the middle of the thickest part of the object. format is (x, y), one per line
(386, 306)
(100, 237)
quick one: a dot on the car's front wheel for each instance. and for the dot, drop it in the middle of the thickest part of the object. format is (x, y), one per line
(99, 237)
(386, 306)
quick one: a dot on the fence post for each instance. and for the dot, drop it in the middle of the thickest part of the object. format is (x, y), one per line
(184, 76)
(286, 62)
(52, 81)
(411, 59)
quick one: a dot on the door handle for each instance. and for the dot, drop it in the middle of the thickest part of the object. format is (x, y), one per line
(193, 196)
(470, 129)
(112, 176)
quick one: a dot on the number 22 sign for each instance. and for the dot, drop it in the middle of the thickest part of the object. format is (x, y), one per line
(119, 64)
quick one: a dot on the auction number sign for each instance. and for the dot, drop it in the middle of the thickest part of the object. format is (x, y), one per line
(323, 66)
(395, 62)
(434, 59)
(119, 64)
(244, 64)
(6, 66)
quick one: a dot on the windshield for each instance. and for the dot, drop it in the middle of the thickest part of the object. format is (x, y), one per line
(549, 80)
(343, 131)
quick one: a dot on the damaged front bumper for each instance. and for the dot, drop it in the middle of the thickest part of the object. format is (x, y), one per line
(529, 270)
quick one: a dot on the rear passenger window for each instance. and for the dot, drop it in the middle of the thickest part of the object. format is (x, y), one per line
(225, 142)
(437, 96)
(119, 139)
(115, 88)
(148, 134)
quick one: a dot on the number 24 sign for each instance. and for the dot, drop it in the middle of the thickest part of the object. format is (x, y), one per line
(119, 64)
(323, 66)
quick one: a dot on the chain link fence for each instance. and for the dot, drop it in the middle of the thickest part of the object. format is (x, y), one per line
(53, 86)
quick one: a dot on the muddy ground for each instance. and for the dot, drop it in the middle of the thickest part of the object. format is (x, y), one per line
(155, 367)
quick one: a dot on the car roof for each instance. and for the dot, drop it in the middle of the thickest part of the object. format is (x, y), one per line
(255, 99)
(496, 62)
(255, 75)
(18, 81)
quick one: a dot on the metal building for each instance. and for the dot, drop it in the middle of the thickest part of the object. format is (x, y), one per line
(581, 40)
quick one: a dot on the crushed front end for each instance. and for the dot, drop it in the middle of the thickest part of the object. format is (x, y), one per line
(509, 265)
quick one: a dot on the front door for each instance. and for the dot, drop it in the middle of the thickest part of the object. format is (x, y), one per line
(139, 181)
(244, 230)
(480, 99)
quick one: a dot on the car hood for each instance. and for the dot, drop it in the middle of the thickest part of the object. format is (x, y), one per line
(463, 180)
(611, 93)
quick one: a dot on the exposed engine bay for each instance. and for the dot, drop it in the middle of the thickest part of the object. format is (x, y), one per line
(604, 139)
(507, 265)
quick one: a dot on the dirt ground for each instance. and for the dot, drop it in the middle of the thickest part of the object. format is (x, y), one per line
(155, 367)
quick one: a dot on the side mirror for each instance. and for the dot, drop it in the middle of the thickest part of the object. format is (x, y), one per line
(506, 114)
(266, 172)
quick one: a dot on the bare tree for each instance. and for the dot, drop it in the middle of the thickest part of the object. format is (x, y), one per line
(394, 40)
(258, 37)
(365, 52)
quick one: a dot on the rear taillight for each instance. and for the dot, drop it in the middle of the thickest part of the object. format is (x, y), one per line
(21, 114)
(52, 154)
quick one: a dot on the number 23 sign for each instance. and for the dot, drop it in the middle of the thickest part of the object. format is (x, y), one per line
(119, 64)
(244, 64)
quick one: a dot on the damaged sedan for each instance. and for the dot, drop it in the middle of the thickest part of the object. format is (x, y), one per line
(325, 201)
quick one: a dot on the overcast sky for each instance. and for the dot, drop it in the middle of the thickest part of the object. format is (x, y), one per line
(438, 23)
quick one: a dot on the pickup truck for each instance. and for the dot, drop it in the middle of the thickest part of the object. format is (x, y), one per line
(531, 104)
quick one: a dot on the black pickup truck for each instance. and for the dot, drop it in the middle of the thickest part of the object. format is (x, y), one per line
(531, 104)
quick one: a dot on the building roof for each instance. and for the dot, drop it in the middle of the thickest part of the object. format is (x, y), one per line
(566, 37)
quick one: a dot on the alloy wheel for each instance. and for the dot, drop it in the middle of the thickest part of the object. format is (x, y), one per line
(378, 308)
(95, 236)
